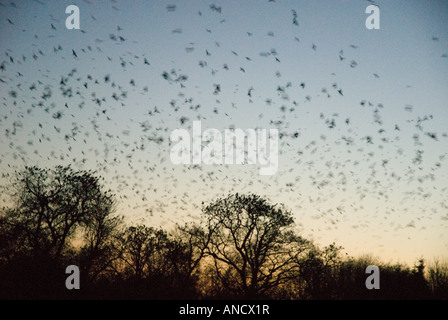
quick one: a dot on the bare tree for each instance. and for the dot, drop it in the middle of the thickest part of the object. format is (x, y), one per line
(318, 272)
(52, 205)
(188, 248)
(252, 243)
(143, 251)
(100, 238)
(59, 216)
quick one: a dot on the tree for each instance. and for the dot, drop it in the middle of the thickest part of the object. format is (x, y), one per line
(252, 244)
(318, 271)
(52, 208)
(100, 240)
(140, 245)
(51, 205)
(158, 264)
(438, 278)
(191, 241)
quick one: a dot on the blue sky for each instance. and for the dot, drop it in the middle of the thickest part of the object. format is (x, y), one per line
(387, 197)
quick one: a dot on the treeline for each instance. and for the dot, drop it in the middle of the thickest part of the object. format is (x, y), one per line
(243, 247)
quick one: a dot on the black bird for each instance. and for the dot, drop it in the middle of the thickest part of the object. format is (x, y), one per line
(294, 17)
(74, 53)
(215, 8)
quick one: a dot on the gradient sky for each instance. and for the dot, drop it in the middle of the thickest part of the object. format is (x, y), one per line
(387, 197)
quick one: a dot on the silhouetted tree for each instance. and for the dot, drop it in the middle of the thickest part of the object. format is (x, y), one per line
(244, 247)
(184, 253)
(438, 279)
(317, 276)
(156, 264)
(252, 244)
(190, 245)
(52, 208)
(140, 247)
(100, 241)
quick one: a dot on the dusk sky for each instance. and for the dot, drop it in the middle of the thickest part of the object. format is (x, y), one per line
(362, 114)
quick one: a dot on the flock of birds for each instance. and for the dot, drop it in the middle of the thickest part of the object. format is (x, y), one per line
(92, 118)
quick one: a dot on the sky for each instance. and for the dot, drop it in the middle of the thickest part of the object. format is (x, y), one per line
(361, 113)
